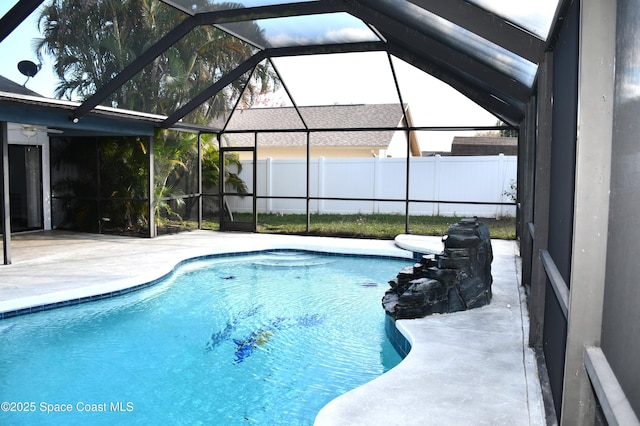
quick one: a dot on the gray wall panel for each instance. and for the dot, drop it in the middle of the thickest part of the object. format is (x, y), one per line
(621, 316)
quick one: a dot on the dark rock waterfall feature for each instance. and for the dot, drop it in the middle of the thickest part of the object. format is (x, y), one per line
(457, 279)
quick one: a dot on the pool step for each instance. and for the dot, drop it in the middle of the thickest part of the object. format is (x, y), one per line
(290, 259)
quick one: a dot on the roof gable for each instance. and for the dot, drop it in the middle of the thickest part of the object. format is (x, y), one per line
(484, 145)
(334, 117)
(10, 86)
(318, 117)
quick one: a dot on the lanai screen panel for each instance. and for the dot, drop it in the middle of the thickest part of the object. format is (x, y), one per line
(185, 70)
(216, 110)
(338, 79)
(89, 46)
(433, 103)
(105, 46)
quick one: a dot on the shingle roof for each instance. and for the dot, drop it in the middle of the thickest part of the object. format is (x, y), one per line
(317, 117)
(484, 145)
(9, 86)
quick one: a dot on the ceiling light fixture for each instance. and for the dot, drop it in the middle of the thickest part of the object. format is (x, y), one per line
(29, 131)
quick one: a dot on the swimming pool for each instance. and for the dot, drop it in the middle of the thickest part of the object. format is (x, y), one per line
(265, 339)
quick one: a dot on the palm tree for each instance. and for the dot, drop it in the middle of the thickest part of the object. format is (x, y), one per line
(176, 159)
(91, 41)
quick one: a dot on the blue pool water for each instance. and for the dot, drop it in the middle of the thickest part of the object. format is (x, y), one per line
(262, 339)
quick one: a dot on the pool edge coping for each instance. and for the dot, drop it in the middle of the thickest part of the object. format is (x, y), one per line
(302, 245)
(58, 299)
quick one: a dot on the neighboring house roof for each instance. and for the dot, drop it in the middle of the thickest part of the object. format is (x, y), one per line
(318, 117)
(483, 145)
(10, 86)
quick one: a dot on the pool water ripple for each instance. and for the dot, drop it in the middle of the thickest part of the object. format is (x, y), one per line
(264, 339)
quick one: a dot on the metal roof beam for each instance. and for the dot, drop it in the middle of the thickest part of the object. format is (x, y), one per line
(247, 65)
(259, 12)
(14, 17)
(289, 94)
(175, 5)
(211, 91)
(266, 12)
(134, 68)
(326, 49)
(488, 26)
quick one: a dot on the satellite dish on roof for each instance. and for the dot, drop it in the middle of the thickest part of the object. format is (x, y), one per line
(29, 69)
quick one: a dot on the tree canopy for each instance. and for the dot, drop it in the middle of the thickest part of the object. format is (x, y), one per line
(91, 41)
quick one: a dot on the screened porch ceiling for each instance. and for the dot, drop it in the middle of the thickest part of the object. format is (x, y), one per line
(488, 50)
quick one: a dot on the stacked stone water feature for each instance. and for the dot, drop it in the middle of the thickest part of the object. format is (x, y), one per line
(457, 279)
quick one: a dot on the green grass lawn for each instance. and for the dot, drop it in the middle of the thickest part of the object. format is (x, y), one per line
(375, 226)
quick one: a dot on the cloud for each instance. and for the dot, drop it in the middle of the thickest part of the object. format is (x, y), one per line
(320, 36)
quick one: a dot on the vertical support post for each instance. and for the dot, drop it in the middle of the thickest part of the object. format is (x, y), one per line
(46, 185)
(220, 182)
(254, 191)
(308, 178)
(541, 201)
(151, 184)
(525, 188)
(321, 184)
(500, 184)
(199, 181)
(405, 120)
(408, 178)
(4, 179)
(437, 174)
(377, 183)
(268, 165)
(597, 49)
(99, 186)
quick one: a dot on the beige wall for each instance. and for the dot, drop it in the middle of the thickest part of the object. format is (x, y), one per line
(398, 145)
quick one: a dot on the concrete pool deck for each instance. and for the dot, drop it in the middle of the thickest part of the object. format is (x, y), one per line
(466, 368)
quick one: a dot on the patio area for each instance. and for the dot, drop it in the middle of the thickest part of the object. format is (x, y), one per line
(469, 367)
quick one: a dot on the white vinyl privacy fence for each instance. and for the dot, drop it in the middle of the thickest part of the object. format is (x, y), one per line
(447, 186)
